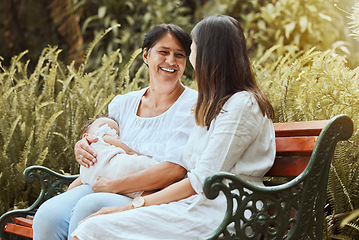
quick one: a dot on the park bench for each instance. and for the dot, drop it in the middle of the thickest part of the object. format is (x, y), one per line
(294, 209)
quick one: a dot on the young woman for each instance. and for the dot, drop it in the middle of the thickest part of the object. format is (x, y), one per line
(234, 133)
(155, 121)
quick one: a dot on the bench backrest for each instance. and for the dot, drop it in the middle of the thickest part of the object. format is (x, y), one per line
(295, 142)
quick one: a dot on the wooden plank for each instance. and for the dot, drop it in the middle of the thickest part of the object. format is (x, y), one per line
(23, 221)
(295, 146)
(311, 128)
(288, 167)
(18, 230)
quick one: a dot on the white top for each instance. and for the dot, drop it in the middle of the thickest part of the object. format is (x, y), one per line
(162, 137)
(240, 140)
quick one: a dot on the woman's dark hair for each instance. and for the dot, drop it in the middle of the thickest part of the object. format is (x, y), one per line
(222, 68)
(156, 32)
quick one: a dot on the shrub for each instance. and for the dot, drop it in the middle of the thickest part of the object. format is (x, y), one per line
(317, 85)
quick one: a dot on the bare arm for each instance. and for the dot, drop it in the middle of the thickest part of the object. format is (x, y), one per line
(174, 192)
(77, 182)
(154, 178)
(115, 140)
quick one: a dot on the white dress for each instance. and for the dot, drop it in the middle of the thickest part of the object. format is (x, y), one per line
(112, 161)
(240, 140)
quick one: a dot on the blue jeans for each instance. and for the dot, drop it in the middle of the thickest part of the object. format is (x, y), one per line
(59, 216)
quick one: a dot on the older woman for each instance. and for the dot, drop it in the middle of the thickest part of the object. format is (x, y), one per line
(155, 121)
(234, 133)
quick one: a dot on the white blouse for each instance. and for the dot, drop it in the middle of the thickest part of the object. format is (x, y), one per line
(162, 137)
(240, 141)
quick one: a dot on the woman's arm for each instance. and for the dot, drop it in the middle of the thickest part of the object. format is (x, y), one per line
(77, 182)
(115, 140)
(174, 192)
(154, 178)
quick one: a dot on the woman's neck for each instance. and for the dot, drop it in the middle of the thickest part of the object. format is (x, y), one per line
(156, 101)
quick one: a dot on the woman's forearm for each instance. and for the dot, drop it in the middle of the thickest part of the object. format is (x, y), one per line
(77, 182)
(174, 192)
(154, 178)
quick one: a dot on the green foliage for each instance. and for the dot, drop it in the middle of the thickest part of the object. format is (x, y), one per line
(290, 24)
(43, 112)
(316, 85)
(134, 19)
(354, 24)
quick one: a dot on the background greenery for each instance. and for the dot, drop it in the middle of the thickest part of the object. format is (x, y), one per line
(65, 67)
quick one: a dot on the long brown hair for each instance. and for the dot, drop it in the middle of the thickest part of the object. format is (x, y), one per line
(222, 68)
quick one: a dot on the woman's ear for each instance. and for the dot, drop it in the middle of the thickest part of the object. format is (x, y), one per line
(144, 56)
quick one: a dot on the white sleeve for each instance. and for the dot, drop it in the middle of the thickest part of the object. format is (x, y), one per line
(182, 127)
(114, 108)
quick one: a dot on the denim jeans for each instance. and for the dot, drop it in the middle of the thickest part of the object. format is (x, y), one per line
(59, 216)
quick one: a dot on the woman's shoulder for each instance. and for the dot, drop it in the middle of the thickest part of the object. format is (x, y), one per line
(240, 99)
(185, 103)
(188, 97)
(126, 101)
(191, 92)
(244, 104)
(130, 96)
(241, 102)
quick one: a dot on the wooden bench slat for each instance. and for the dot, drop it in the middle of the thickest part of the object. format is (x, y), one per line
(311, 128)
(23, 221)
(18, 230)
(295, 146)
(288, 167)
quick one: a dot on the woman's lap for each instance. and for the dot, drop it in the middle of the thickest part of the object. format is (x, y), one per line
(55, 216)
(92, 203)
(52, 218)
(167, 221)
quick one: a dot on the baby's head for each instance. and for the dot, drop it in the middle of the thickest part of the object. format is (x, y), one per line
(91, 126)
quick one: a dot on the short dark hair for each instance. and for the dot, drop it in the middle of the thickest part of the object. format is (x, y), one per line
(156, 32)
(88, 123)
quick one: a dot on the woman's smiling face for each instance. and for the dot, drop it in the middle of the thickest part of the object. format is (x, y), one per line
(166, 60)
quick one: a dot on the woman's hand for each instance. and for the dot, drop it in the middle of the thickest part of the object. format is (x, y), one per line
(103, 184)
(107, 210)
(85, 155)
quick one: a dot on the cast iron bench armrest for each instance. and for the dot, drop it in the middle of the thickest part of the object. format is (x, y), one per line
(293, 210)
(51, 183)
